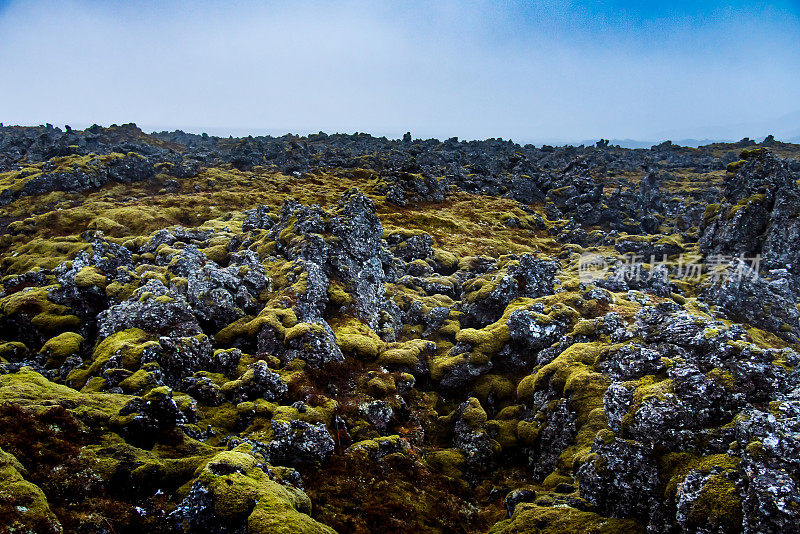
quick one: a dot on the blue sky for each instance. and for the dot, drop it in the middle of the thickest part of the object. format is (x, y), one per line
(537, 71)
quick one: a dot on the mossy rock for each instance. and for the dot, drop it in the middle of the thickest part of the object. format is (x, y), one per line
(29, 388)
(23, 506)
(58, 348)
(354, 337)
(13, 351)
(532, 519)
(447, 461)
(243, 493)
(404, 355)
(129, 344)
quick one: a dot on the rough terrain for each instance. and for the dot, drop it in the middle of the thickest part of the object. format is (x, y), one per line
(343, 333)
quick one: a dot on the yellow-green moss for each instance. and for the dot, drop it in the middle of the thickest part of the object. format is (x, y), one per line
(23, 506)
(244, 492)
(405, 354)
(338, 295)
(58, 348)
(447, 461)
(354, 337)
(530, 518)
(499, 386)
(129, 344)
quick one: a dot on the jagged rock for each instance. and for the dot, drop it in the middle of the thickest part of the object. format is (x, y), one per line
(143, 418)
(409, 248)
(315, 344)
(379, 414)
(297, 442)
(203, 389)
(771, 461)
(632, 276)
(351, 254)
(527, 276)
(743, 295)
(258, 382)
(153, 308)
(631, 362)
(622, 480)
(759, 214)
(470, 435)
(257, 219)
(525, 328)
(170, 236)
(96, 173)
(181, 356)
(557, 433)
(219, 296)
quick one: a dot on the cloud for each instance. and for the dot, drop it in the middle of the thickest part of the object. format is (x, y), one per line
(528, 71)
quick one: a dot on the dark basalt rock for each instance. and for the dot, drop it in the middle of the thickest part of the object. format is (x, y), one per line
(126, 169)
(743, 295)
(622, 479)
(758, 214)
(316, 345)
(557, 433)
(143, 418)
(153, 308)
(258, 382)
(526, 276)
(296, 443)
(257, 219)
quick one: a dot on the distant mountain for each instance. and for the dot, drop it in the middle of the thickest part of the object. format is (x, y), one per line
(784, 128)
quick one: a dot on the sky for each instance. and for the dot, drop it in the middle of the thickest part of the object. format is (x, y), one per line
(535, 71)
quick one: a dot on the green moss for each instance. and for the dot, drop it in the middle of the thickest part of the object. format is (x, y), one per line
(376, 444)
(734, 166)
(32, 301)
(446, 259)
(51, 323)
(447, 461)
(584, 327)
(338, 295)
(498, 386)
(719, 505)
(58, 348)
(474, 414)
(108, 226)
(485, 342)
(217, 253)
(748, 153)
(23, 506)
(13, 350)
(242, 492)
(710, 212)
(142, 380)
(381, 385)
(354, 337)
(530, 518)
(129, 344)
(505, 432)
(528, 431)
(570, 375)
(574, 361)
(403, 355)
(28, 387)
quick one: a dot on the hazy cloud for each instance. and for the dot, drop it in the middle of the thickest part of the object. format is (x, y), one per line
(531, 71)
